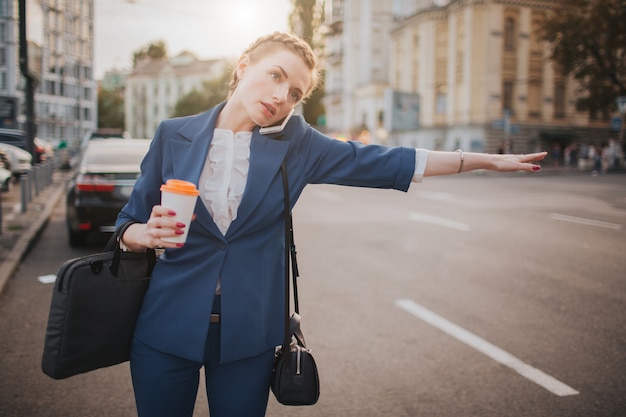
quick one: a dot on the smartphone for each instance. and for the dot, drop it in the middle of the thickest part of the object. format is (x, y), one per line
(278, 128)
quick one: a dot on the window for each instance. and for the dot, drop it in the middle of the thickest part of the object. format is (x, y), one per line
(559, 101)
(534, 98)
(507, 96)
(441, 103)
(4, 8)
(509, 34)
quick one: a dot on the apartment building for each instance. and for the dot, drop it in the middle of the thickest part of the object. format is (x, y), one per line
(356, 63)
(10, 96)
(154, 86)
(66, 95)
(476, 72)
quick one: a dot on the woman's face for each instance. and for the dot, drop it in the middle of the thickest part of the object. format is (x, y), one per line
(273, 85)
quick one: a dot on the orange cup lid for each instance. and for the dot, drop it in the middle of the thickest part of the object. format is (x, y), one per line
(180, 187)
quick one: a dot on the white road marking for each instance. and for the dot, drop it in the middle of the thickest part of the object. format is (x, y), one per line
(582, 220)
(326, 195)
(533, 374)
(47, 279)
(439, 221)
(436, 196)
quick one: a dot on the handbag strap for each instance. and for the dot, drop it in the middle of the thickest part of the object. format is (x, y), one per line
(291, 265)
(114, 245)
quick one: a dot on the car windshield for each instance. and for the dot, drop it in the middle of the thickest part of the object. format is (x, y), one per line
(115, 156)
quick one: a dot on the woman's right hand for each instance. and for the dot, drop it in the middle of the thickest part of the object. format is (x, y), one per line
(161, 224)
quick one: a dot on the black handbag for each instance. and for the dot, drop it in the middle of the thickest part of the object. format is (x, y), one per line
(94, 307)
(295, 380)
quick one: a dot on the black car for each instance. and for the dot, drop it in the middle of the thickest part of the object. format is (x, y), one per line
(101, 186)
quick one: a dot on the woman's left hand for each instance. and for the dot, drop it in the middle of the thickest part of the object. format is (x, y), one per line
(518, 162)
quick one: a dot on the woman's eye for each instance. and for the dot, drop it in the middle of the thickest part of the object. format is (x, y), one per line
(275, 75)
(294, 96)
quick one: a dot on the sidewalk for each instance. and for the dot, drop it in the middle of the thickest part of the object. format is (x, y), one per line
(20, 230)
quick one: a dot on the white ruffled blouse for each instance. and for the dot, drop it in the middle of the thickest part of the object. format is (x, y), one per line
(224, 176)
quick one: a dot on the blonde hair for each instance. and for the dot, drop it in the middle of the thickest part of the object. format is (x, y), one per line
(269, 43)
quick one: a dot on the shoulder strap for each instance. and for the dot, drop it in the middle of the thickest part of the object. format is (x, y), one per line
(291, 265)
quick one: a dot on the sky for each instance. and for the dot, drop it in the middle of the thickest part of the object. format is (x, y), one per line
(208, 28)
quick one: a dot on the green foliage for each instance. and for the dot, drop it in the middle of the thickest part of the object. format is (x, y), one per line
(154, 50)
(588, 39)
(111, 108)
(213, 92)
(307, 17)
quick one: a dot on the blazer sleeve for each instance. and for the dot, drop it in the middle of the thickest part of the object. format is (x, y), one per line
(331, 161)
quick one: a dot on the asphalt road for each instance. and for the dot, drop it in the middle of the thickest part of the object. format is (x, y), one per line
(476, 295)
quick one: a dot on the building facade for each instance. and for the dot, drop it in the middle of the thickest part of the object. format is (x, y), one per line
(154, 86)
(10, 95)
(356, 63)
(66, 96)
(60, 50)
(478, 69)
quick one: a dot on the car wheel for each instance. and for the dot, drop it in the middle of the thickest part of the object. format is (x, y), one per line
(76, 238)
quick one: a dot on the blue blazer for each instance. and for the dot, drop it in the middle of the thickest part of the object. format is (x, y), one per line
(249, 259)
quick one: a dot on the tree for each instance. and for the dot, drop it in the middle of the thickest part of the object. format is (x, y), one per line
(213, 92)
(588, 41)
(306, 19)
(111, 108)
(154, 50)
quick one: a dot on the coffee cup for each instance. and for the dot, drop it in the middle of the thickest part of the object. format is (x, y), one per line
(179, 196)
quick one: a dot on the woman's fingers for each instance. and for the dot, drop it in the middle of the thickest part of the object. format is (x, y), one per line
(162, 224)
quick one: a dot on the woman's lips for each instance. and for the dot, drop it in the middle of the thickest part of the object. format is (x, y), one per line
(268, 109)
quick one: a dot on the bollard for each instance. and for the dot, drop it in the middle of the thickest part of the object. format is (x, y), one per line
(29, 185)
(24, 191)
(36, 171)
(49, 172)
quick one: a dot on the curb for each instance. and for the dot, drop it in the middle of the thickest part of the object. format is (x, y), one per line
(26, 239)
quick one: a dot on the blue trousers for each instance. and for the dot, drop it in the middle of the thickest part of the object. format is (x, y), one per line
(167, 386)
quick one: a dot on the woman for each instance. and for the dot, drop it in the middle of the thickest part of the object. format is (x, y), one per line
(231, 264)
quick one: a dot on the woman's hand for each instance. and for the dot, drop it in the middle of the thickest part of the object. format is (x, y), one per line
(161, 224)
(514, 162)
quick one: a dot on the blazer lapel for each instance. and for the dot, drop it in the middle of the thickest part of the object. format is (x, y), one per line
(188, 156)
(266, 155)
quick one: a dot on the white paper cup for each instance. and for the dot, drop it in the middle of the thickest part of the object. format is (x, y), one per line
(180, 196)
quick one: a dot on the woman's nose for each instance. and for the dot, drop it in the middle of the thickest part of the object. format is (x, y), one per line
(280, 92)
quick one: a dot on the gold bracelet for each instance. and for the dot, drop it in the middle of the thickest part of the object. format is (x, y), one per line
(460, 151)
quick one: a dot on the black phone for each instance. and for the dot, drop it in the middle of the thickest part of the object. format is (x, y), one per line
(278, 128)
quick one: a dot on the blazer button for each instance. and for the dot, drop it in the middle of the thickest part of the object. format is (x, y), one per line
(223, 245)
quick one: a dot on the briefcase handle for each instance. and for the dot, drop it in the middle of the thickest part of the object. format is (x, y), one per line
(114, 245)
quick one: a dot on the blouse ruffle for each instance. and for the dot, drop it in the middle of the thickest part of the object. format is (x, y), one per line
(225, 174)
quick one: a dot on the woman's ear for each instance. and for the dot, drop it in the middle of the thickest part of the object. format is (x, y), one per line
(242, 63)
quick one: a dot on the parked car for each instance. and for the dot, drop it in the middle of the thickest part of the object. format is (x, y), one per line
(43, 149)
(17, 138)
(104, 133)
(101, 186)
(5, 176)
(20, 160)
